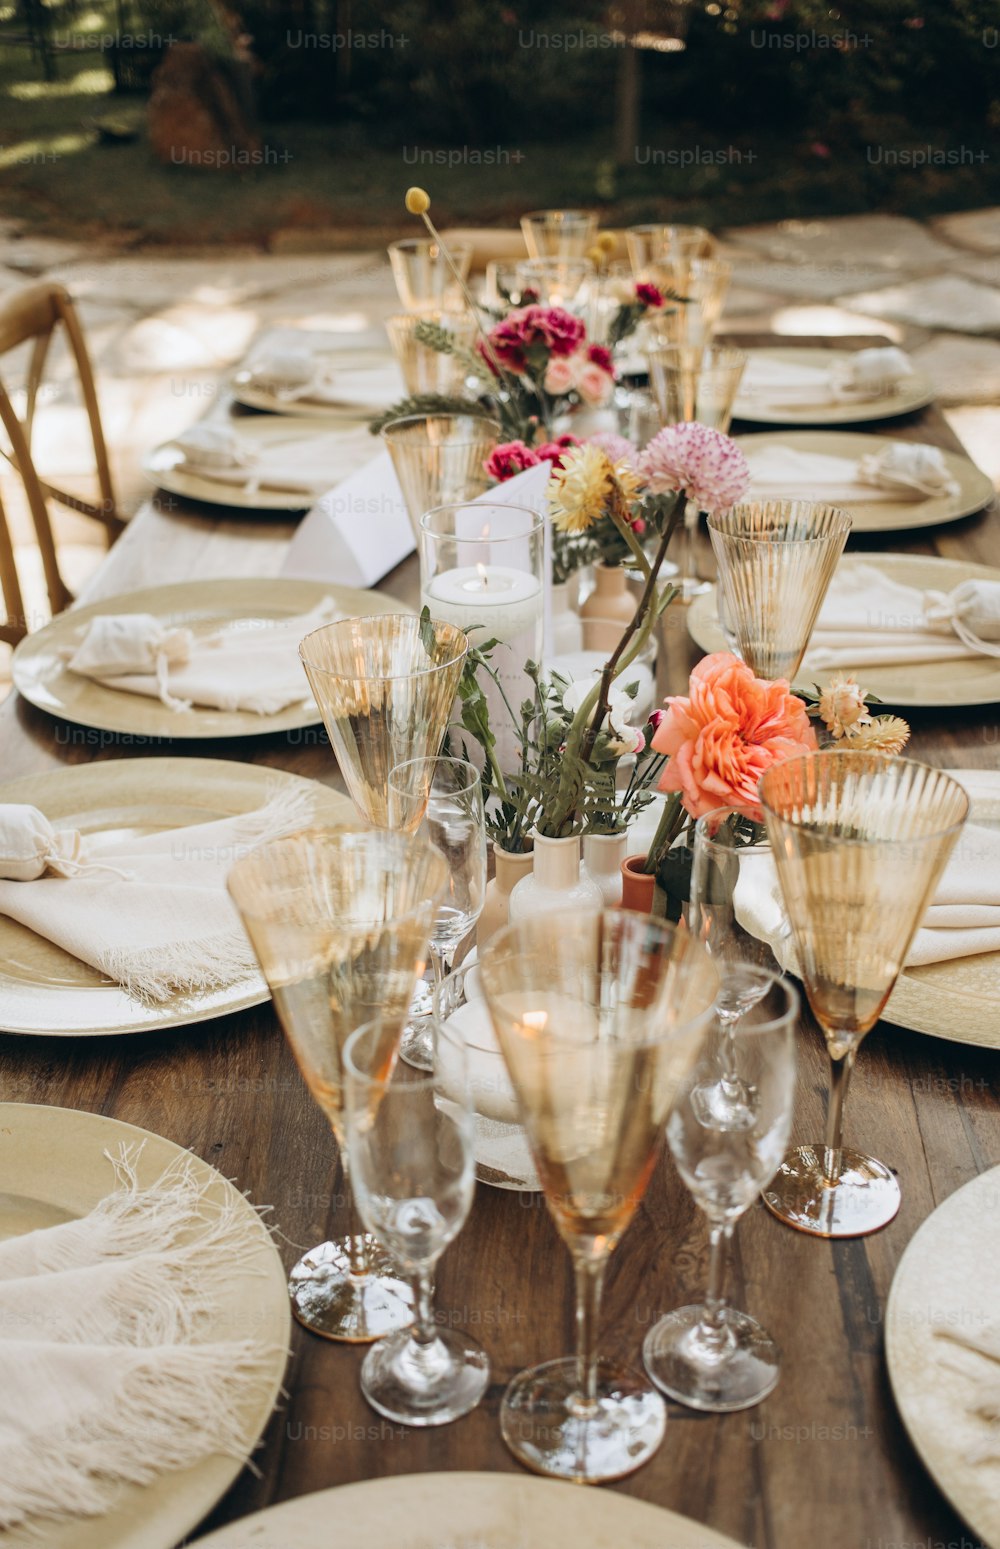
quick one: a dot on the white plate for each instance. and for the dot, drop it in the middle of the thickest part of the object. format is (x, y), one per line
(53, 1168)
(975, 490)
(912, 685)
(947, 1280)
(40, 672)
(349, 444)
(915, 392)
(46, 992)
(465, 1511)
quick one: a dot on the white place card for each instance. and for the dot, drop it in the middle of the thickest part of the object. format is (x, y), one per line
(356, 533)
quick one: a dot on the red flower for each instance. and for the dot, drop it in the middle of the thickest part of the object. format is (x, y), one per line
(559, 332)
(598, 355)
(649, 295)
(554, 451)
(508, 458)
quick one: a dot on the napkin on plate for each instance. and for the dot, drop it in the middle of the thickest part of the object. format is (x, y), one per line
(248, 664)
(962, 920)
(900, 471)
(870, 620)
(297, 376)
(106, 1376)
(152, 912)
(296, 465)
(868, 374)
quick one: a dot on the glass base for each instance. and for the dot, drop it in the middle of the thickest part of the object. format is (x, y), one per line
(329, 1300)
(417, 1044)
(864, 1198)
(425, 1384)
(548, 1426)
(735, 1373)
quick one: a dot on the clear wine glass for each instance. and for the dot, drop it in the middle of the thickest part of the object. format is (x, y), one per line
(712, 1356)
(730, 844)
(442, 800)
(410, 1140)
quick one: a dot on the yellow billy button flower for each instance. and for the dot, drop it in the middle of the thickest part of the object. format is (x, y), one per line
(417, 201)
(607, 242)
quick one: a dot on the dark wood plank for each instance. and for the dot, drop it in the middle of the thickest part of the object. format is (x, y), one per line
(824, 1460)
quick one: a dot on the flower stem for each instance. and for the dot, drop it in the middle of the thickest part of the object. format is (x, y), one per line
(671, 822)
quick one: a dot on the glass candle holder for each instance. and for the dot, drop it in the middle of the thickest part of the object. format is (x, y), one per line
(482, 568)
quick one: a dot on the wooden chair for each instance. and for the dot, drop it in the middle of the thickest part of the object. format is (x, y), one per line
(34, 314)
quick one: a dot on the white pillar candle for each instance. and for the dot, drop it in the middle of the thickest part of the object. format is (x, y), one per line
(489, 1084)
(505, 604)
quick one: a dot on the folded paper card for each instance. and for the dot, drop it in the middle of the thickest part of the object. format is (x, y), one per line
(357, 532)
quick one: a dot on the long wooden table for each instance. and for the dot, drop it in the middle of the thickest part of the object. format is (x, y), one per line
(824, 1461)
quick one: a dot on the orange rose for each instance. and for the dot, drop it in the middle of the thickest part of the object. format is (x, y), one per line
(723, 736)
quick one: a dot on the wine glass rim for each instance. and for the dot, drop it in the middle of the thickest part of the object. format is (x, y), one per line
(844, 523)
(701, 826)
(537, 521)
(439, 758)
(385, 677)
(420, 1081)
(410, 244)
(873, 761)
(267, 908)
(421, 419)
(577, 214)
(780, 981)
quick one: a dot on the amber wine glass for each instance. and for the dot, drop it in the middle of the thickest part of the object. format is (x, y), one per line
(859, 843)
(340, 921)
(600, 1018)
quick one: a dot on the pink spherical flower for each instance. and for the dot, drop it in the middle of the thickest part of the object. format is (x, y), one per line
(707, 465)
(508, 458)
(619, 448)
(649, 295)
(726, 732)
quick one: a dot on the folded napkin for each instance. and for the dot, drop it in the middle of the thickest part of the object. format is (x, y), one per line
(870, 620)
(962, 920)
(295, 465)
(297, 376)
(152, 913)
(900, 471)
(248, 664)
(868, 374)
(106, 1377)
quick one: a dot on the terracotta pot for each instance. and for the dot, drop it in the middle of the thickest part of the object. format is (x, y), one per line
(637, 888)
(510, 868)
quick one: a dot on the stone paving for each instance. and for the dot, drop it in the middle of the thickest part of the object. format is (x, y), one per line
(163, 328)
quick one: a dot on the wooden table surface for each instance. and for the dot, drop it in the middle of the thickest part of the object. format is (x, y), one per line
(824, 1461)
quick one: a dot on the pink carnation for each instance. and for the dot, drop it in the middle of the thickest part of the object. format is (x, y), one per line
(508, 458)
(555, 451)
(600, 355)
(705, 464)
(726, 732)
(649, 295)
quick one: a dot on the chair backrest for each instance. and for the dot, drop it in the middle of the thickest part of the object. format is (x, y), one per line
(33, 314)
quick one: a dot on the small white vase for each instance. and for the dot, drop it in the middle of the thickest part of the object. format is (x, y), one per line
(557, 881)
(510, 868)
(602, 858)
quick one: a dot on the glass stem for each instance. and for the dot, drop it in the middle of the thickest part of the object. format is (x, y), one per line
(833, 1152)
(589, 1285)
(423, 1331)
(357, 1250)
(441, 961)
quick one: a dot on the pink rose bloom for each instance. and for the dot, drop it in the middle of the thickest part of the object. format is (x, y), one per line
(554, 451)
(559, 376)
(599, 355)
(594, 385)
(649, 295)
(721, 738)
(707, 465)
(508, 458)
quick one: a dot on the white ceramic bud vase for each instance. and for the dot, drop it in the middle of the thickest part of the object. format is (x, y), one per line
(602, 858)
(510, 868)
(557, 881)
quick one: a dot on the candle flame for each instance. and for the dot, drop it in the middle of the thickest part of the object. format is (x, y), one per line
(537, 1021)
(483, 576)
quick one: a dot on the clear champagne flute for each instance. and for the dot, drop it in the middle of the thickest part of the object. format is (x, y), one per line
(442, 799)
(340, 922)
(600, 1018)
(859, 843)
(712, 1356)
(410, 1138)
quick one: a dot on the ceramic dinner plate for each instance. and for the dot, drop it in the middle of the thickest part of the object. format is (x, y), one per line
(914, 685)
(975, 489)
(946, 1284)
(45, 991)
(41, 674)
(54, 1168)
(465, 1511)
(344, 446)
(361, 383)
(915, 392)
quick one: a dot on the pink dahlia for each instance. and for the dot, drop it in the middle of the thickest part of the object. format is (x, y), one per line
(618, 448)
(508, 458)
(705, 464)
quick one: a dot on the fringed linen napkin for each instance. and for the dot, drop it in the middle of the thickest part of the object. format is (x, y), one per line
(107, 1376)
(871, 620)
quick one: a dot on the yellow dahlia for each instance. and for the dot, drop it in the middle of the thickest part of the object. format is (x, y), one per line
(581, 488)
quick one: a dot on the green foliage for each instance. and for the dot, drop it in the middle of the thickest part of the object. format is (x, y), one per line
(428, 403)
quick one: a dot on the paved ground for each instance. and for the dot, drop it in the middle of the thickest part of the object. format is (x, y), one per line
(163, 329)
